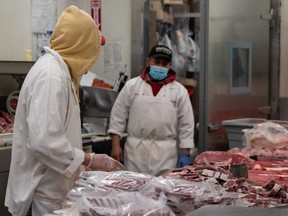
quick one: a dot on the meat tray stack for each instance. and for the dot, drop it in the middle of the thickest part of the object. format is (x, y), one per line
(214, 167)
(6, 123)
(6, 128)
(113, 193)
(129, 193)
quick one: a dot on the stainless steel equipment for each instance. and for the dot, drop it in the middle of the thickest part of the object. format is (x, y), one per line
(229, 28)
(96, 104)
(5, 155)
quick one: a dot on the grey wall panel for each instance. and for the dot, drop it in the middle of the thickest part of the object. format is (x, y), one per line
(236, 20)
(137, 43)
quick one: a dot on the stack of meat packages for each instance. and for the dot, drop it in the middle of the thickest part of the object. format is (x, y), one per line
(262, 177)
(213, 179)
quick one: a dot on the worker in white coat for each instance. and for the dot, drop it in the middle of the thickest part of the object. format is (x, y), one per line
(47, 146)
(158, 115)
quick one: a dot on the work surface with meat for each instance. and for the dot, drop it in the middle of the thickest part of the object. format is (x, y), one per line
(208, 181)
(212, 180)
(179, 192)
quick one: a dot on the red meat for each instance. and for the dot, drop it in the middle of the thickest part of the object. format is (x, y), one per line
(223, 157)
(3, 122)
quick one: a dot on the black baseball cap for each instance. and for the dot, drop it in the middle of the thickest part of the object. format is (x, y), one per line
(161, 51)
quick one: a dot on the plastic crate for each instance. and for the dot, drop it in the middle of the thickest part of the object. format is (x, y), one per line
(234, 128)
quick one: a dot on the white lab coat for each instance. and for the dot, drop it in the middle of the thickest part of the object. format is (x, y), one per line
(154, 124)
(46, 155)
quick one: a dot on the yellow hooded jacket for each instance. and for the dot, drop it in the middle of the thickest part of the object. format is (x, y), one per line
(47, 144)
(77, 39)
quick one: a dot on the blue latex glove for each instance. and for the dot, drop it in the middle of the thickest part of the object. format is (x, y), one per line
(184, 160)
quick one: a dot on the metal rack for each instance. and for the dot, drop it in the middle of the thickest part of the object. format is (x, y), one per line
(15, 67)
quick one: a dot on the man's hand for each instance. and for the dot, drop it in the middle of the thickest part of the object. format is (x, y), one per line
(102, 162)
(184, 160)
(117, 153)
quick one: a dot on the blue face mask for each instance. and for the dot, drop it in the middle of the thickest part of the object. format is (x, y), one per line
(158, 73)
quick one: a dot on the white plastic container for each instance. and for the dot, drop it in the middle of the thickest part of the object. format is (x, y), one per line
(234, 128)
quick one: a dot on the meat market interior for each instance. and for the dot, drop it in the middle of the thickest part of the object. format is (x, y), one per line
(209, 137)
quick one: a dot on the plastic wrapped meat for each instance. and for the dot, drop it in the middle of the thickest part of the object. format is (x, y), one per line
(117, 203)
(119, 180)
(215, 157)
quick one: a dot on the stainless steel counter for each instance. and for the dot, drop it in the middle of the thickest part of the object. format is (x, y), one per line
(15, 67)
(5, 155)
(218, 210)
(100, 144)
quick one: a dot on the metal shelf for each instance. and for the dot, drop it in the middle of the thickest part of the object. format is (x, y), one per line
(15, 67)
(187, 15)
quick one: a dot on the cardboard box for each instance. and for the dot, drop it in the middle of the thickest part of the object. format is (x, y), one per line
(156, 5)
(188, 82)
(194, 6)
(168, 15)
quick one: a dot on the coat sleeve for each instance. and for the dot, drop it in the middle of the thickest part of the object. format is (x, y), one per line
(185, 120)
(120, 111)
(46, 114)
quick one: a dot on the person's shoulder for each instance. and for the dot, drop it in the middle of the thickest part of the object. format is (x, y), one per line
(179, 88)
(178, 85)
(46, 63)
(47, 68)
(134, 81)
